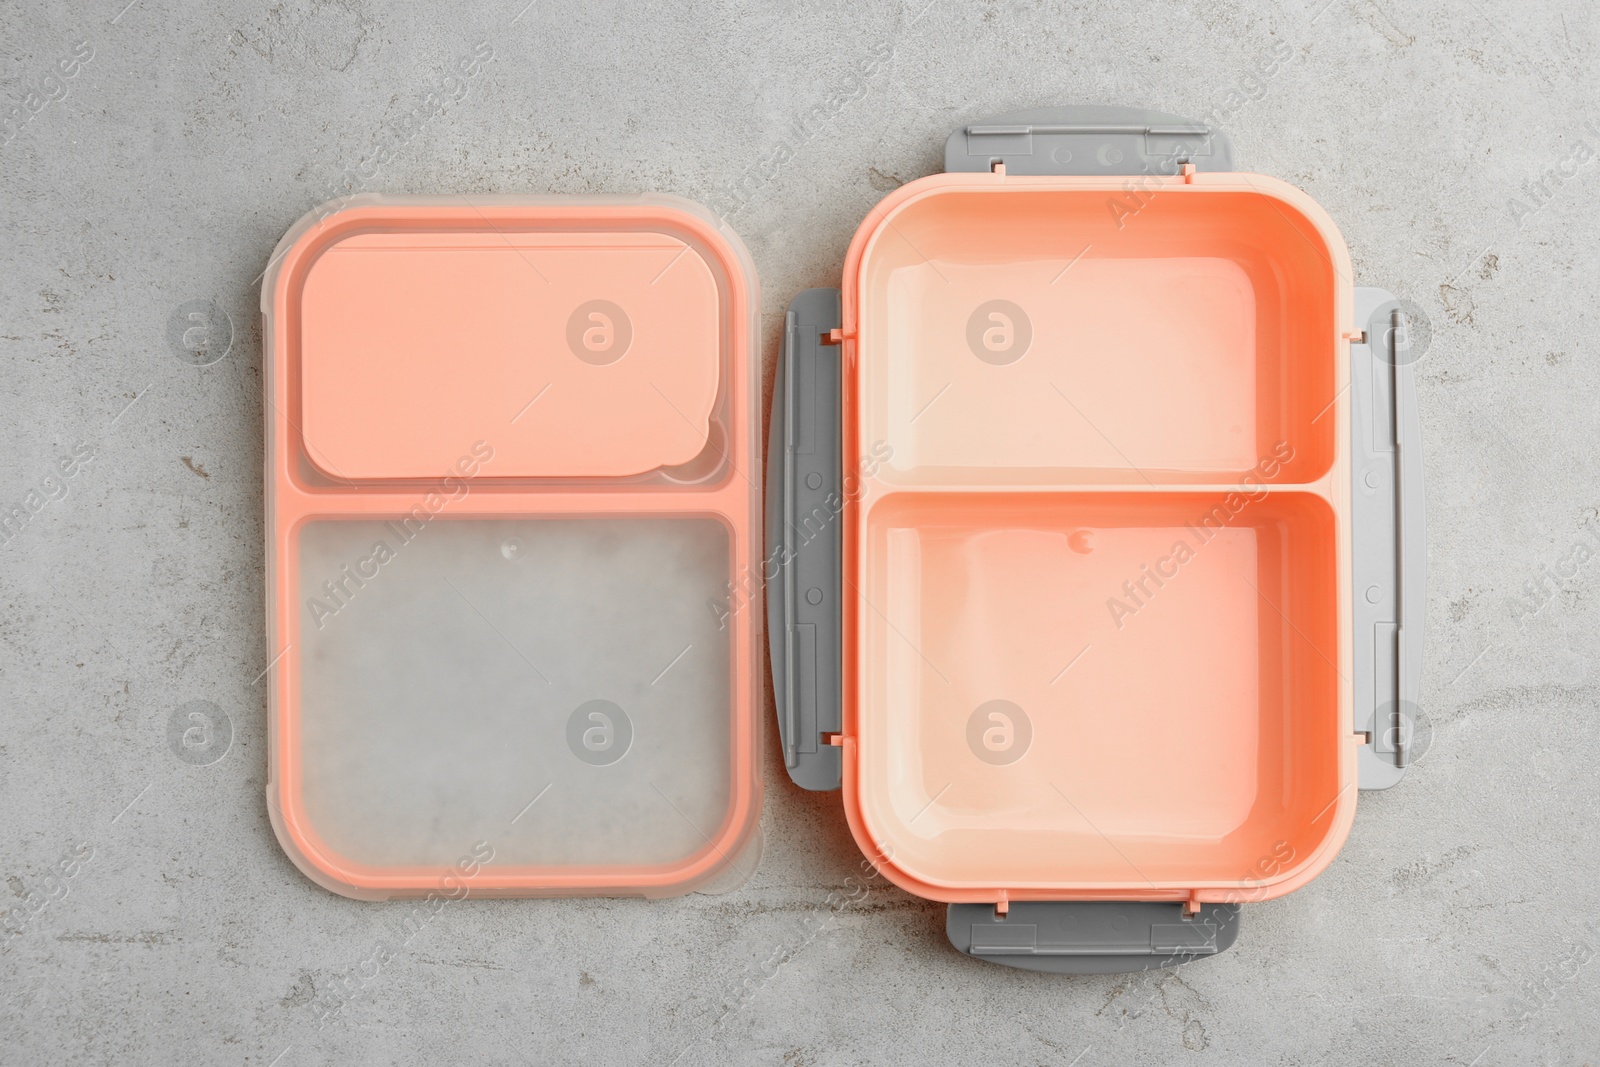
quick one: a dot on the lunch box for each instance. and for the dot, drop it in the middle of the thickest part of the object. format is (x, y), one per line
(512, 501)
(1095, 535)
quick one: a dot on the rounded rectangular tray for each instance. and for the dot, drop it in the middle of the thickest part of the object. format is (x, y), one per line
(1097, 611)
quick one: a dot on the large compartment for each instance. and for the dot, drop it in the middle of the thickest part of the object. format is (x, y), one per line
(1098, 689)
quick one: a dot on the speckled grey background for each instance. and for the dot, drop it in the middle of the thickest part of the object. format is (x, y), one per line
(1449, 141)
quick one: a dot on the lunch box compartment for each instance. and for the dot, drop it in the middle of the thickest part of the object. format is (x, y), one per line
(1015, 336)
(1165, 684)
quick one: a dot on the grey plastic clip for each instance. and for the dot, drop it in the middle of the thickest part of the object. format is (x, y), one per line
(1087, 139)
(1092, 936)
(803, 541)
(1389, 539)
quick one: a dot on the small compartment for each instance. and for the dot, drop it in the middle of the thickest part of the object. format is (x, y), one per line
(1027, 335)
(1116, 691)
(559, 689)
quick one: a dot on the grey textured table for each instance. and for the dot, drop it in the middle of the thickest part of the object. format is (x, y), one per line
(1455, 146)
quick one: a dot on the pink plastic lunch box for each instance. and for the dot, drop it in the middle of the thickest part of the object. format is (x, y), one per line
(1085, 493)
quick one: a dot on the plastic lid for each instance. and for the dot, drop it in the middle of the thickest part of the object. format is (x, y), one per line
(508, 500)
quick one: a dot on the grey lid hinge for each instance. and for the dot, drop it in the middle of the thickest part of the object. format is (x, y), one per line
(803, 520)
(1388, 538)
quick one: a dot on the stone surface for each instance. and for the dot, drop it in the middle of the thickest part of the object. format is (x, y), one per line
(151, 185)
